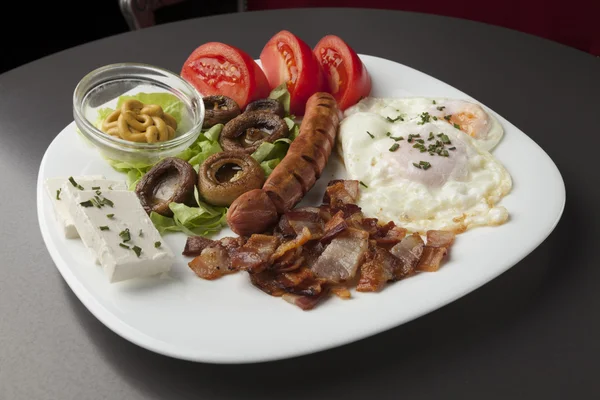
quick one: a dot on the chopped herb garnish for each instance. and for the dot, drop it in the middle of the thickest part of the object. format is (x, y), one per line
(425, 117)
(440, 108)
(395, 119)
(422, 165)
(452, 148)
(87, 203)
(107, 202)
(397, 138)
(137, 250)
(431, 136)
(58, 194)
(420, 141)
(445, 139)
(156, 245)
(457, 126)
(95, 187)
(434, 102)
(124, 246)
(77, 185)
(110, 215)
(110, 187)
(394, 147)
(447, 117)
(411, 136)
(125, 235)
(363, 184)
(96, 201)
(388, 134)
(370, 134)
(104, 228)
(141, 234)
(435, 118)
(444, 153)
(98, 192)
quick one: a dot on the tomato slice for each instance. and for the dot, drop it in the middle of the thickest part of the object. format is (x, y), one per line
(217, 68)
(286, 58)
(346, 75)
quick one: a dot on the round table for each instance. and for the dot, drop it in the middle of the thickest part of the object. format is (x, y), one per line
(531, 333)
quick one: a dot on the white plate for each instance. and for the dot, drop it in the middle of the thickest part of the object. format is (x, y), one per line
(230, 321)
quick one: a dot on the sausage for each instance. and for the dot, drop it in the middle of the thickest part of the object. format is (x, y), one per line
(296, 173)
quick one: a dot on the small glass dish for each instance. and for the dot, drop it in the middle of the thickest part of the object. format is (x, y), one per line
(102, 87)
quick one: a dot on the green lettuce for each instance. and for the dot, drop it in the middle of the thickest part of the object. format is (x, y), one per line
(282, 95)
(202, 220)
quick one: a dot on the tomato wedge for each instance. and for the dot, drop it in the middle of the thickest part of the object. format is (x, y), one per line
(286, 58)
(346, 74)
(217, 68)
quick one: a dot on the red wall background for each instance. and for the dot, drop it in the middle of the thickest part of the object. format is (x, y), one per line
(575, 23)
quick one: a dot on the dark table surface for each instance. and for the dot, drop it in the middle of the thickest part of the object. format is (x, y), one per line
(534, 332)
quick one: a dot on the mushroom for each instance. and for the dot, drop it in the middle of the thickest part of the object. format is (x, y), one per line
(224, 176)
(247, 131)
(170, 180)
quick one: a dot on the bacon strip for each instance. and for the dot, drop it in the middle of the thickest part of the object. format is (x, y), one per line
(212, 263)
(305, 302)
(256, 254)
(377, 271)
(408, 251)
(342, 256)
(195, 244)
(437, 246)
(334, 226)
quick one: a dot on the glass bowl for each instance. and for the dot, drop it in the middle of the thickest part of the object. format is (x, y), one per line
(101, 89)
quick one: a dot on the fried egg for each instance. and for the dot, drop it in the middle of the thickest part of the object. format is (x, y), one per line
(467, 116)
(420, 172)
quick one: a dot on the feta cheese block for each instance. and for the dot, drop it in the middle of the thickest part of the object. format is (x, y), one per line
(115, 228)
(53, 189)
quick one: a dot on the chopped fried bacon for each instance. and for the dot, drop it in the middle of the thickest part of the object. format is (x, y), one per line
(302, 282)
(255, 254)
(334, 226)
(379, 268)
(408, 251)
(317, 251)
(304, 302)
(341, 291)
(288, 256)
(265, 281)
(342, 256)
(434, 251)
(431, 259)
(392, 237)
(212, 263)
(440, 238)
(311, 219)
(341, 192)
(195, 244)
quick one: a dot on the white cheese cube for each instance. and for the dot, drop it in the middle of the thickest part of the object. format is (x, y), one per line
(61, 212)
(101, 225)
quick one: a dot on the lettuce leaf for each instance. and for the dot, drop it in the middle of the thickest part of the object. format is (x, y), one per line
(203, 220)
(282, 95)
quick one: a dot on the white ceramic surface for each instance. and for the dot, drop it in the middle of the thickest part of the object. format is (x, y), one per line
(230, 321)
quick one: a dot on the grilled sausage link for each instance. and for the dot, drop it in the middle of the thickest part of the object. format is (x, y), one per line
(296, 173)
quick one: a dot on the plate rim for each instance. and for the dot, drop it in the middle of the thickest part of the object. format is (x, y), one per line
(134, 335)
